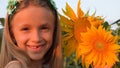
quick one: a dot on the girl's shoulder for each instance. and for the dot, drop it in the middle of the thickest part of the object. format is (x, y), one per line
(13, 64)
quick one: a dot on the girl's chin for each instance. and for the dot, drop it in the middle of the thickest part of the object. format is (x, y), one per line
(35, 57)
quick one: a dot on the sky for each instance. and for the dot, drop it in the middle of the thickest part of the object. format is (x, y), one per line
(109, 9)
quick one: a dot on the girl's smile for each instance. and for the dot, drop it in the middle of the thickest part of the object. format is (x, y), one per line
(37, 47)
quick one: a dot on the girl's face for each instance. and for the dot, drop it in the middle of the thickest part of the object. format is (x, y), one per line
(33, 29)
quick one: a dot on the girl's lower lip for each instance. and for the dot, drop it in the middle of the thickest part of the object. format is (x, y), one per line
(35, 48)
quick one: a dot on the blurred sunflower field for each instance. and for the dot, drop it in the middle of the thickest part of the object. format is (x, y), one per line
(88, 40)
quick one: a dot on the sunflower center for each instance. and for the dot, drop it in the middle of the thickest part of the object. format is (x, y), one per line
(99, 45)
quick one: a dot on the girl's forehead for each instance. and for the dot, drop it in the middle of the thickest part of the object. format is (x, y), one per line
(33, 14)
(31, 9)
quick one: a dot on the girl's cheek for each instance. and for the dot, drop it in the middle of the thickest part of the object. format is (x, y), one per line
(22, 39)
(48, 35)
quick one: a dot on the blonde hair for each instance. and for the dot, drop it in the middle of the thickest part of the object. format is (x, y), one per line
(10, 51)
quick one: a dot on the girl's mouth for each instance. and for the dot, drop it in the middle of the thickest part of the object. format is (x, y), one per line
(35, 48)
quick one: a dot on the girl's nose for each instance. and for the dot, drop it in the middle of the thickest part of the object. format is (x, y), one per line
(36, 36)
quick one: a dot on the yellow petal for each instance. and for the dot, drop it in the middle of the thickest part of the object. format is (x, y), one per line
(69, 12)
(67, 36)
(79, 11)
(65, 20)
(70, 47)
(64, 29)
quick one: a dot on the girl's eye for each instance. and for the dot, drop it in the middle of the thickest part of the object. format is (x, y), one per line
(45, 28)
(24, 29)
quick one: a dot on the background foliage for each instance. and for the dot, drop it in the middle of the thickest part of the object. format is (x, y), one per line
(1, 29)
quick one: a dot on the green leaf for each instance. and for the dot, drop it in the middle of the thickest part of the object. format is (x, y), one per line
(106, 25)
(2, 20)
(117, 65)
(118, 23)
(1, 34)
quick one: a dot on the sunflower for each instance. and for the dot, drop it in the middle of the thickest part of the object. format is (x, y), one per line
(96, 21)
(72, 25)
(99, 47)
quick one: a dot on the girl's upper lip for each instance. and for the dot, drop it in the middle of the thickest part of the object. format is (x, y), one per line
(35, 45)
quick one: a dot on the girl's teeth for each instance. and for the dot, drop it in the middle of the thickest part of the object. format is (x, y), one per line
(34, 46)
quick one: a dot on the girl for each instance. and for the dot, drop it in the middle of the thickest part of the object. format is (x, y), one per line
(31, 37)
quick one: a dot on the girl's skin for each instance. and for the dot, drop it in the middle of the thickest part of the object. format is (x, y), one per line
(33, 29)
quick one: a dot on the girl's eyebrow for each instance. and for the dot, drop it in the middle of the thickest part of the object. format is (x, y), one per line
(23, 25)
(27, 24)
(46, 24)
